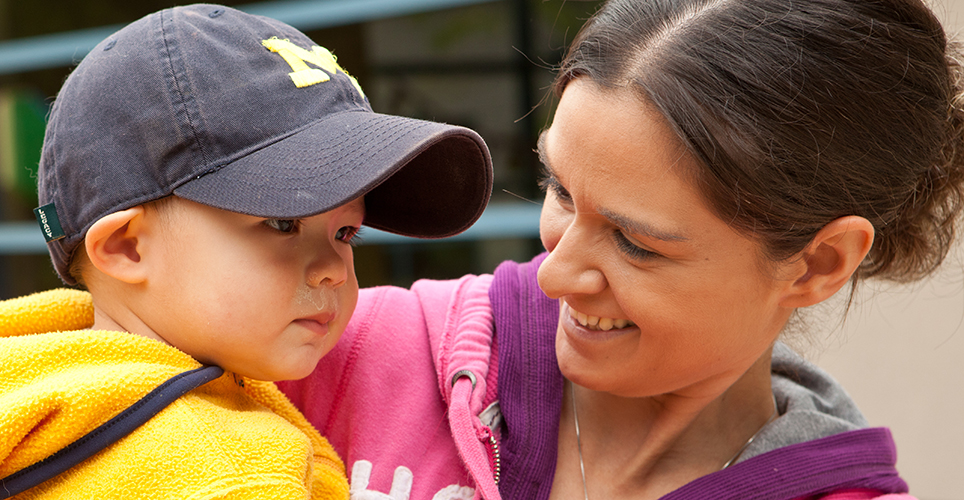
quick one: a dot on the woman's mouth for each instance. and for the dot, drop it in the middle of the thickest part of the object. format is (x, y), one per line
(598, 323)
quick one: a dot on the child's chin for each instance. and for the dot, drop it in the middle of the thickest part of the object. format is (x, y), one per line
(296, 373)
(292, 376)
(297, 365)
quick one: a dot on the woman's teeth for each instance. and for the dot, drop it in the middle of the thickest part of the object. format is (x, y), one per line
(597, 323)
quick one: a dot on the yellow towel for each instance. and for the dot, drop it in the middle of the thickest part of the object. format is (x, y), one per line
(231, 438)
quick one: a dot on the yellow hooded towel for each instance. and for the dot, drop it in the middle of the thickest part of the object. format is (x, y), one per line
(231, 438)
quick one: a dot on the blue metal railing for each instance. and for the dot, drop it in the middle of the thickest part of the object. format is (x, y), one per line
(65, 49)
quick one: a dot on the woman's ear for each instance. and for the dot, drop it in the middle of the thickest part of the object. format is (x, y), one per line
(830, 260)
(114, 245)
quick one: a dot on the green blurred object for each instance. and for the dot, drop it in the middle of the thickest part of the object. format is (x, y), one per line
(22, 123)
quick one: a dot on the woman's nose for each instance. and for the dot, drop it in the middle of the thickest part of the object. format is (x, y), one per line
(570, 268)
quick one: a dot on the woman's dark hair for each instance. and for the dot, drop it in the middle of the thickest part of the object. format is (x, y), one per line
(800, 112)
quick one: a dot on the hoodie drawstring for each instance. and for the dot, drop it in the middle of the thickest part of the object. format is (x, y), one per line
(467, 432)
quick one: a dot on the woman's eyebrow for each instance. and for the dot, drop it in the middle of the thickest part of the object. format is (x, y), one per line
(640, 228)
(549, 179)
(541, 150)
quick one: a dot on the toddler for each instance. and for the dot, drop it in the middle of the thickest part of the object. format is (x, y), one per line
(203, 175)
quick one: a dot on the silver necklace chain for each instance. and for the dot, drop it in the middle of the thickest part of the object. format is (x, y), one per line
(582, 465)
(575, 417)
(746, 445)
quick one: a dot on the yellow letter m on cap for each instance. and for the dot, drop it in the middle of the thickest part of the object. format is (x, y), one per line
(297, 58)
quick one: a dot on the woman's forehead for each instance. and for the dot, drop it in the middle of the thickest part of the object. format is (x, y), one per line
(611, 132)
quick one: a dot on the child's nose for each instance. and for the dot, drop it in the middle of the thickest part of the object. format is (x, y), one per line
(327, 268)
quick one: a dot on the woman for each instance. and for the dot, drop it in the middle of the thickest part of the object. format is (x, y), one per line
(712, 167)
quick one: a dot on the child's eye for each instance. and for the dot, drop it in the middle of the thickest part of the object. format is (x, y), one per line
(283, 225)
(348, 234)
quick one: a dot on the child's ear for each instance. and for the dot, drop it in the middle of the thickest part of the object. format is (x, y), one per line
(114, 245)
(829, 261)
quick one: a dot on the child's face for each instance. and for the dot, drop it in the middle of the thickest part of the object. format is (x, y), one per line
(262, 298)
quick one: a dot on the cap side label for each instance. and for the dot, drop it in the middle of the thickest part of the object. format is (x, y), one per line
(49, 222)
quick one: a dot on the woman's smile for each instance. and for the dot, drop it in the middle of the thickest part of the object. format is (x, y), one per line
(597, 323)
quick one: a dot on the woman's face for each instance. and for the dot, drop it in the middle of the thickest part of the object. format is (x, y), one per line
(657, 294)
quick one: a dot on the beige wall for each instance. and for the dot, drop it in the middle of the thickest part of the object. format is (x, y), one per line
(901, 356)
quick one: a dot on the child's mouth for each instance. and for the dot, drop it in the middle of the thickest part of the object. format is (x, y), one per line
(317, 323)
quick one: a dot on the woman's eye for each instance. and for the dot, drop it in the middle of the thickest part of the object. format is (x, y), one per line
(562, 194)
(631, 249)
(348, 234)
(282, 225)
(550, 184)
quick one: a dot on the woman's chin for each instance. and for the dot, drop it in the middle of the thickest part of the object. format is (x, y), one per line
(585, 358)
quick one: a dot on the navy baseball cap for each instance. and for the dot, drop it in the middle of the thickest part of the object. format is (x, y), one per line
(247, 114)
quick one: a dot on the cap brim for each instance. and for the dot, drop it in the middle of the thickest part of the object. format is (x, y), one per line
(421, 178)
